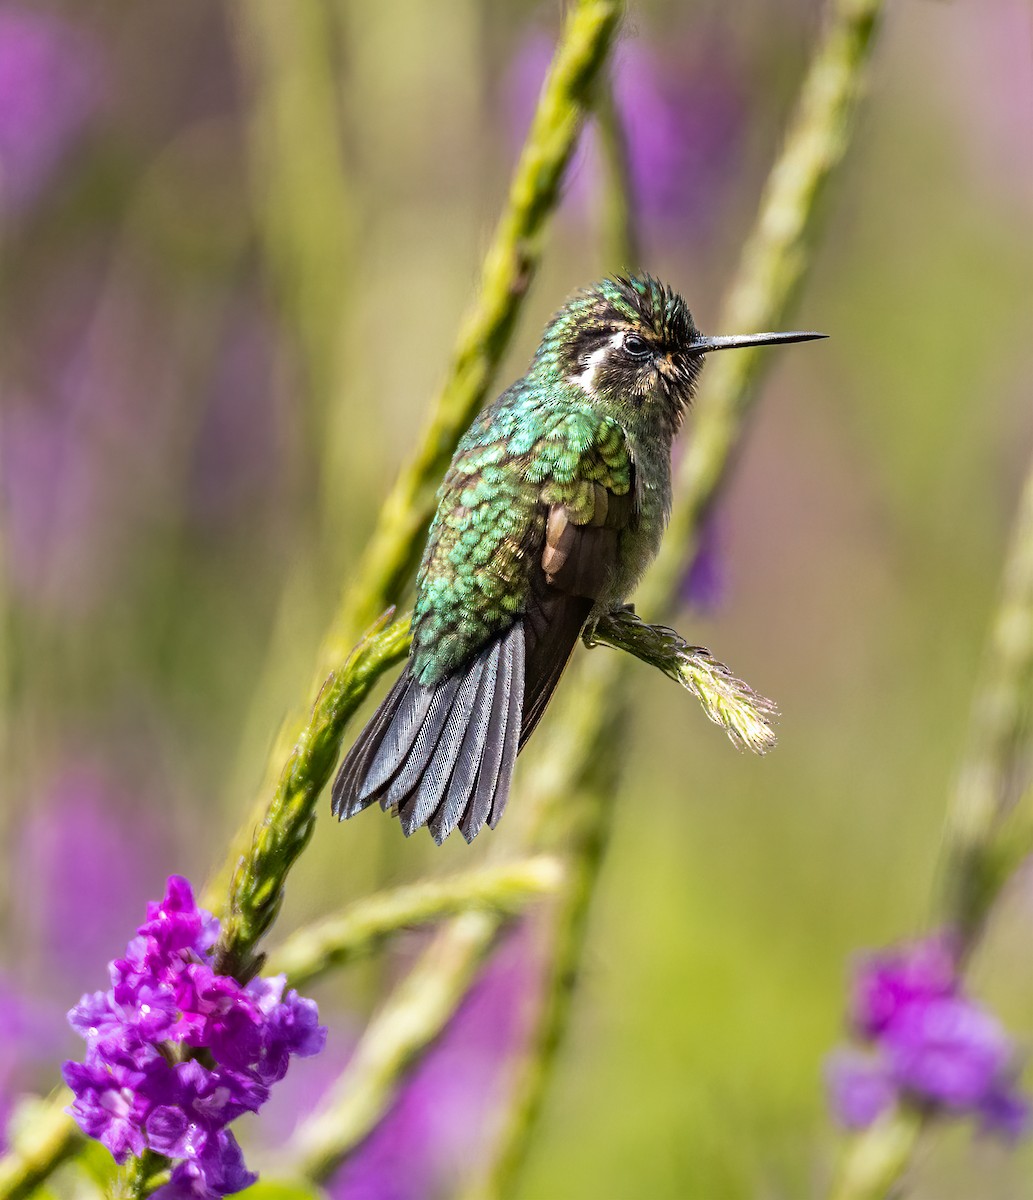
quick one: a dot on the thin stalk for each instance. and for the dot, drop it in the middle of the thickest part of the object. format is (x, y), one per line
(772, 268)
(873, 1164)
(744, 714)
(621, 240)
(504, 890)
(415, 1014)
(303, 200)
(256, 891)
(999, 755)
(587, 849)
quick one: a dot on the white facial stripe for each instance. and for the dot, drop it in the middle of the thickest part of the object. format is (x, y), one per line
(586, 379)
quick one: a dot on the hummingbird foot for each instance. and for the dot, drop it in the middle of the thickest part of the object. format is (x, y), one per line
(592, 624)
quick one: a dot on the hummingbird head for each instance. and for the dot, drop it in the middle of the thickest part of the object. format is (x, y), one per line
(630, 343)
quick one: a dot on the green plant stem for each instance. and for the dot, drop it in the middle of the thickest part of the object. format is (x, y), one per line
(999, 753)
(873, 1165)
(415, 1014)
(140, 1176)
(593, 803)
(504, 890)
(622, 245)
(987, 834)
(256, 890)
(302, 199)
(771, 271)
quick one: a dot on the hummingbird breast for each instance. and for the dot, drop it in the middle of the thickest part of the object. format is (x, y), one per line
(639, 544)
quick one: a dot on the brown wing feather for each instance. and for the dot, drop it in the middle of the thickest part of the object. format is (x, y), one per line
(577, 564)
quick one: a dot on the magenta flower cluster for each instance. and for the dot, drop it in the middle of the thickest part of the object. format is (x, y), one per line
(141, 1088)
(928, 1044)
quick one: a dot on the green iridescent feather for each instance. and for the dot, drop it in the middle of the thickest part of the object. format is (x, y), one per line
(532, 448)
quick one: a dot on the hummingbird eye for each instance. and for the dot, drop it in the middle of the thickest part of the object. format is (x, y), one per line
(636, 346)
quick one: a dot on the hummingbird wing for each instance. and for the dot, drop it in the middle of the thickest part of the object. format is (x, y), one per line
(523, 542)
(578, 562)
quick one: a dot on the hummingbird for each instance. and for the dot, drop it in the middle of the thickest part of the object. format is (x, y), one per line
(554, 505)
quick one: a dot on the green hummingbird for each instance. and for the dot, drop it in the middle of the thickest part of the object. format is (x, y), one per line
(553, 506)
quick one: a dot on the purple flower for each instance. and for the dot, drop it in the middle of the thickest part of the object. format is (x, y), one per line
(948, 1051)
(135, 1092)
(887, 983)
(860, 1088)
(176, 923)
(930, 1045)
(111, 1101)
(49, 89)
(217, 1171)
(704, 585)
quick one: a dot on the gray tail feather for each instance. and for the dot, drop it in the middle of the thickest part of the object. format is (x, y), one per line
(442, 755)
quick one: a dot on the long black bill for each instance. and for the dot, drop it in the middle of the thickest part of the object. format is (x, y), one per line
(706, 344)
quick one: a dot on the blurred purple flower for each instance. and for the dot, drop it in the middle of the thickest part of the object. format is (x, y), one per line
(50, 85)
(930, 1045)
(860, 1088)
(949, 1051)
(134, 1091)
(84, 859)
(682, 119)
(887, 983)
(52, 496)
(239, 447)
(434, 1134)
(81, 457)
(704, 585)
(93, 450)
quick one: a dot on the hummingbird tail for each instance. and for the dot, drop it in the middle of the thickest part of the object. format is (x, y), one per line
(442, 755)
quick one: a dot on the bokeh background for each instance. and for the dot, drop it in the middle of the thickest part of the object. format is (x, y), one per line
(236, 242)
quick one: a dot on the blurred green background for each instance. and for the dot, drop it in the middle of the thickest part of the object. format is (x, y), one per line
(237, 242)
